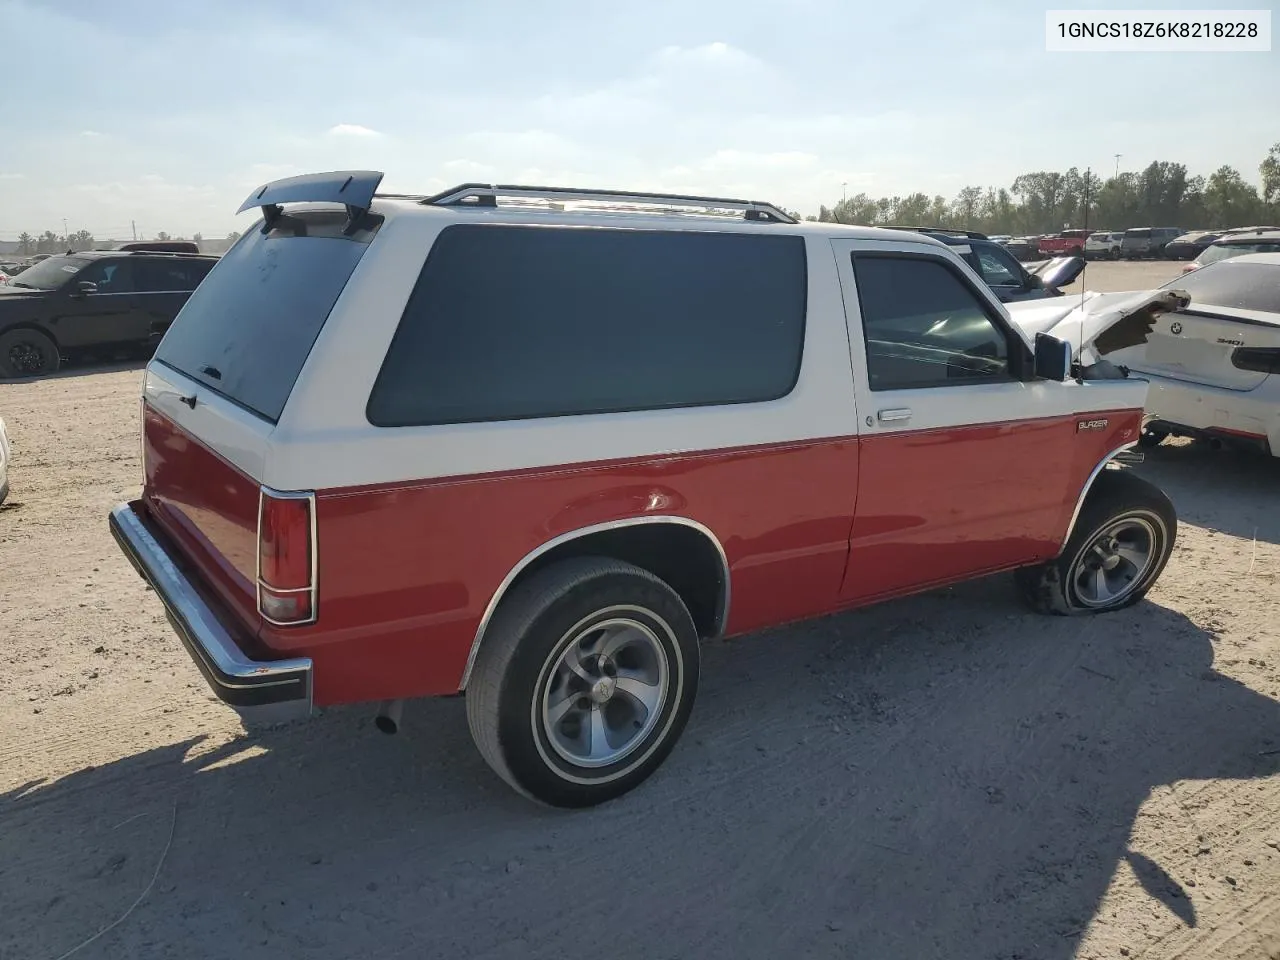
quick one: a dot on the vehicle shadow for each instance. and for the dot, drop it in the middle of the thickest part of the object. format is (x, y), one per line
(941, 777)
(84, 366)
(1230, 491)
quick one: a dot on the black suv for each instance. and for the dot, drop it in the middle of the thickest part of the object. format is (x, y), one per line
(1006, 277)
(86, 303)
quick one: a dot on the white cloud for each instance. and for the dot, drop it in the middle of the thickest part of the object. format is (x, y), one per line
(708, 53)
(90, 133)
(352, 130)
(13, 176)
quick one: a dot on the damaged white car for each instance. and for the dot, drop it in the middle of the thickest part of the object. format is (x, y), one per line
(1208, 344)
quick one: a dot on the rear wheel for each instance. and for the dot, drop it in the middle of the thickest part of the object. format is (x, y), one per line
(27, 353)
(584, 682)
(1120, 545)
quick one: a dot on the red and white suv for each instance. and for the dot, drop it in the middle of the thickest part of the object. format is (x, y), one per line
(536, 450)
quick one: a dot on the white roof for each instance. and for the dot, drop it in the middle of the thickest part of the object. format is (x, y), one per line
(584, 214)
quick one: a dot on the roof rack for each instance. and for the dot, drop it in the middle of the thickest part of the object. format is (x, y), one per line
(971, 234)
(486, 195)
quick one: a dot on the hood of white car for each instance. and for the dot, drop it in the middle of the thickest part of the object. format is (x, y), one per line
(1096, 324)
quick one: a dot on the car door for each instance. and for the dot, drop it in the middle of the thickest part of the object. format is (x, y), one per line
(104, 316)
(967, 463)
(164, 285)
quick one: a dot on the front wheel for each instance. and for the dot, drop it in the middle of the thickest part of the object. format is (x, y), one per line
(1120, 545)
(584, 681)
(27, 353)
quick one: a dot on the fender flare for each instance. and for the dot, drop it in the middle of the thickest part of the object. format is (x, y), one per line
(722, 607)
(1088, 485)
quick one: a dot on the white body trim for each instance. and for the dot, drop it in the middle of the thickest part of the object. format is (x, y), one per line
(323, 440)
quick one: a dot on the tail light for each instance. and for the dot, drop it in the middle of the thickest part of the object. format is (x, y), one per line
(286, 557)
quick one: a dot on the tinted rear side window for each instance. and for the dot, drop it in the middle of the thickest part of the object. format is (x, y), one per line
(509, 323)
(1244, 286)
(249, 326)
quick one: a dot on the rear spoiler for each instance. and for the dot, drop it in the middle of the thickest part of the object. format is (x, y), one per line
(352, 188)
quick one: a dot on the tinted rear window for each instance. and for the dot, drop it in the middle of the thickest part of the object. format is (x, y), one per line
(509, 323)
(1244, 286)
(250, 325)
(1137, 234)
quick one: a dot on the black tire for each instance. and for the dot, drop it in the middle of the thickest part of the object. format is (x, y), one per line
(516, 668)
(27, 353)
(1116, 498)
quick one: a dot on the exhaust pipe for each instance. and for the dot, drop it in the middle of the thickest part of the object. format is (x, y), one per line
(1215, 443)
(388, 717)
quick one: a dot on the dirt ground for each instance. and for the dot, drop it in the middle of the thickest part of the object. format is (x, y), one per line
(946, 776)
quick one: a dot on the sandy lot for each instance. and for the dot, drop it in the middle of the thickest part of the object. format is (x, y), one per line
(947, 776)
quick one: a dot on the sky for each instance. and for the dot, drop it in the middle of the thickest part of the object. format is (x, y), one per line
(165, 115)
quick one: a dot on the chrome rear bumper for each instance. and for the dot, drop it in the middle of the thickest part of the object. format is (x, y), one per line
(263, 691)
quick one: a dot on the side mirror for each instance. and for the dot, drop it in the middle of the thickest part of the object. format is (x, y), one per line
(1061, 272)
(84, 287)
(1053, 358)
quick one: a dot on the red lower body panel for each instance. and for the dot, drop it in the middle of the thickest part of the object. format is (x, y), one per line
(406, 570)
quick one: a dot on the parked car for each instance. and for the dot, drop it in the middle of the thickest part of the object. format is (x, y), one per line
(1024, 249)
(4, 278)
(162, 246)
(91, 301)
(1068, 243)
(999, 238)
(1190, 245)
(1142, 242)
(457, 444)
(1002, 271)
(1214, 367)
(1103, 245)
(4, 462)
(1236, 245)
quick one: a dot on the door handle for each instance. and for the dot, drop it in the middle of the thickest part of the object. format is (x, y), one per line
(898, 413)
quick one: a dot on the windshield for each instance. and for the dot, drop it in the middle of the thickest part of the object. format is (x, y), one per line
(1137, 234)
(49, 274)
(1243, 286)
(1225, 251)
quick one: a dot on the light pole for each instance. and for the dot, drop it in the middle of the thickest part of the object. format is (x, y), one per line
(1118, 156)
(844, 191)
(66, 234)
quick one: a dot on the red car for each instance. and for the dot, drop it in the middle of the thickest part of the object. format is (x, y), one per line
(398, 447)
(1068, 243)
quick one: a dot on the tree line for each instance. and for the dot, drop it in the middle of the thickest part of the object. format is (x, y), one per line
(1162, 195)
(50, 242)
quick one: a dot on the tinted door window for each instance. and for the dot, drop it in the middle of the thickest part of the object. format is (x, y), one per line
(111, 276)
(168, 276)
(509, 323)
(925, 327)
